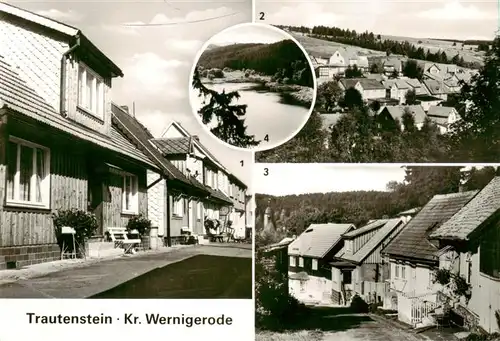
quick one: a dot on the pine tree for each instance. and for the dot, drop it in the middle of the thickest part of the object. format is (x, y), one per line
(230, 126)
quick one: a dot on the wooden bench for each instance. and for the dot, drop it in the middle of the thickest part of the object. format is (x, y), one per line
(119, 235)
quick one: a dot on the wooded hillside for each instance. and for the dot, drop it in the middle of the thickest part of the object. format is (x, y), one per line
(291, 214)
(267, 59)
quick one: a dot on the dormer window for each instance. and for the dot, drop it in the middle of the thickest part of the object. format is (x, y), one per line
(90, 92)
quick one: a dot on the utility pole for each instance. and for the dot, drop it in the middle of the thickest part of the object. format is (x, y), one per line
(133, 109)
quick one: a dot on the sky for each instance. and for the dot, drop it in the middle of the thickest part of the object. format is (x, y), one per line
(248, 33)
(301, 178)
(156, 60)
(419, 19)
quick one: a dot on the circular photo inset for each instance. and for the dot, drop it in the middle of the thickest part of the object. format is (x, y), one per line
(253, 86)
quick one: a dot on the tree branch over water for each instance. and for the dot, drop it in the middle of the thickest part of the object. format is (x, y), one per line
(230, 126)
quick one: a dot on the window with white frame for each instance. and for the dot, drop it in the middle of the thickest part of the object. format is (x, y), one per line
(199, 210)
(178, 207)
(28, 173)
(403, 271)
(130, 197)
(396, 272)
(301, 262)
(90, 91)
(314, 264)
(292, 261)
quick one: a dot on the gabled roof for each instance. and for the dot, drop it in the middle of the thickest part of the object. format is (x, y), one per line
(198, 144)
(399, 83)
(16, 95)
(318, 239)
(371, 245)
(474, 214)
(131, 126)
(412, 242)
(73, 34)
(175, 145)
(372, 225)
(366, 83)
(440, 111)
(397, 111)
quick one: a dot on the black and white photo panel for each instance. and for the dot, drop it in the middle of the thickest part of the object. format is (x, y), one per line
(398, 81)
(360, 251)
(253, 86)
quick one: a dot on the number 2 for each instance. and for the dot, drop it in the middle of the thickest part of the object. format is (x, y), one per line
(261, 16)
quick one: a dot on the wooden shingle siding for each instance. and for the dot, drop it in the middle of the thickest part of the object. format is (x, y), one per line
(19, 226)
(37, 56)
(78, 115)
(112, 208)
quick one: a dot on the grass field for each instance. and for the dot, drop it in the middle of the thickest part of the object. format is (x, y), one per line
(314, 45)
(201, 276)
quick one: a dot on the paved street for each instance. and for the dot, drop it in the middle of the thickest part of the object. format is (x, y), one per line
(88, 280)
(354, 327)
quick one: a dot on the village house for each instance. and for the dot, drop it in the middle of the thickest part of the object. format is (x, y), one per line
(416, 86)
(397, 89)
(165, 187)
(328, 66)
(443, 116)
(470, 248)
(390, 115)
(60, 145)
(413, 259)
(358, 267)
(310, 273)
(437, 88)
(428, 101)
(392, 65)
(368, 88)
(226, 201)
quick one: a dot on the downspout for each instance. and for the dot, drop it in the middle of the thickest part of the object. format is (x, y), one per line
(167, 213)
(62, 98)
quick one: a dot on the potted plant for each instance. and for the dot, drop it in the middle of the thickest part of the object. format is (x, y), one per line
(142, 225)
(84, 223)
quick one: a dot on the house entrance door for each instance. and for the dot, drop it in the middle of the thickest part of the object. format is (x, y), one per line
(95, 192)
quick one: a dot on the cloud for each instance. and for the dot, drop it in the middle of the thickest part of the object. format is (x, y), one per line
(306, 14)
(156, 120)
(184, 45)
(456, 11)
(150, 75)
(56, 14)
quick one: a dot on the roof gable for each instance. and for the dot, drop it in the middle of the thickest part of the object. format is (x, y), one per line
(485, 204)
(318, 239)
(412, 242)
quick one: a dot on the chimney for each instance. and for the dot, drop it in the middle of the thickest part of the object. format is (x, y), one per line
(125, 108)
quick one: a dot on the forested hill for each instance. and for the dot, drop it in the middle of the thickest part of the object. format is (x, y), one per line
(293, 213)
(264, 58)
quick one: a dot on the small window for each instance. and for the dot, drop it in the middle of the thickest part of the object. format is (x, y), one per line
(178, 208)
(347, 277)
(292, 261)
(301, 262)
(130, 198)
(314, 264)
(90, 91)
(403, 271)
(28, 174)
(396, 272)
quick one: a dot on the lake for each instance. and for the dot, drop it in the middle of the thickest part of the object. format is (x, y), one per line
(266, 113)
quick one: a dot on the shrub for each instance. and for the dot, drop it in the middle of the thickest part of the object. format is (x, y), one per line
(275, 308)
(139, 223)
(84, 223)
(358, 305)
(461, 287)
(442, 277)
